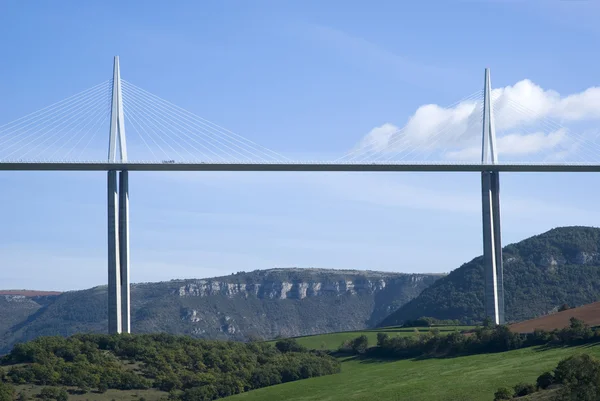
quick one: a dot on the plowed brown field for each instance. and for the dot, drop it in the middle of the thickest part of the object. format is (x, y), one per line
(590, 314)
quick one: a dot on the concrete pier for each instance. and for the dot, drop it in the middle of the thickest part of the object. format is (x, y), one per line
(114, 265)
(124, 250)
(119, 316)
(492, 247)
(490, 207)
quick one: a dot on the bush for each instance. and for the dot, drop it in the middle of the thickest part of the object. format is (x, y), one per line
(503, 393)
(360, 344)
(581, 368)
(545, 380)
(289, 345)
(54, 393)
(7, 392)
(430, 321)
(523, 389)
(382, 338)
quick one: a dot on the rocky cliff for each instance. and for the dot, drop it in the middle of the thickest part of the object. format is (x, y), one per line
(264, 303)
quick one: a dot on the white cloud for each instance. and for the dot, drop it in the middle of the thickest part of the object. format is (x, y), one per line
(524, 115)
(515, 144)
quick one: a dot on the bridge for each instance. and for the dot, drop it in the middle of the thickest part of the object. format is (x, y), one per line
(67, 136)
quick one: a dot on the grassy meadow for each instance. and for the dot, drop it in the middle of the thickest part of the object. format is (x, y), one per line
(332, 341)
(466, 378)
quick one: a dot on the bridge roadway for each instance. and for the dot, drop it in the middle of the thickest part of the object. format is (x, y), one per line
(293, 166)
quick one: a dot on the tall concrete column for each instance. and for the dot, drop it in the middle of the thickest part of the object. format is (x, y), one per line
(492, 247)
(498, 245)
(124, 249)
(490, 191)
(114, 274)
(118, 217)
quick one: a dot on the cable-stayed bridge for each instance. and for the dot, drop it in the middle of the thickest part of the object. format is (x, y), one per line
(71, 135)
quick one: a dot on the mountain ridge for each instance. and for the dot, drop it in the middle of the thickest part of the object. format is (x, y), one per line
(262, 303)
(542, 272)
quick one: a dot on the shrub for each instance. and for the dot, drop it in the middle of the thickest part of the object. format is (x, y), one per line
(564, 307)
(545, 380)
(289, 345)
(581, 368)
(54, 393)
(360, 344)
(503, 393)
(382, 338)
(523, 389)
(7, 392)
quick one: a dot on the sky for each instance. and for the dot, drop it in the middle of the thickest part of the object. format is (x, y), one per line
(309, 80)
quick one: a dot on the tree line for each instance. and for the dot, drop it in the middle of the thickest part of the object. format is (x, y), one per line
(485, 339)
(187, 368)
(575, 378)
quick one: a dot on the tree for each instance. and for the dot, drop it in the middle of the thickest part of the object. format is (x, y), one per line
(382, 338)
(488, 323)
(564, 307)
(54, 393)
(545, 380)
(360, 344)
(289, 345)
(503, 393)
(580, 377)
(523, 389)
(7, 392)
(102, 387)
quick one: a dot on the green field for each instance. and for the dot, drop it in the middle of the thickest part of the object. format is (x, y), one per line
(334, 340)
(474, 378)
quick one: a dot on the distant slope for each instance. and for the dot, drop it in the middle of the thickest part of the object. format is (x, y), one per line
(264, 303)
(590, 314)
(332, 341)
(472, 378)
(29, 293)
(540, 274)
(17, 309)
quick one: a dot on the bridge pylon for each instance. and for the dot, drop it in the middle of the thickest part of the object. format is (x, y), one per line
(119, 315)
(490, 191)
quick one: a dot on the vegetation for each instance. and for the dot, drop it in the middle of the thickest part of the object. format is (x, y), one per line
(472, 377)
(430, 322)
(332, 341)
(561, 266)
(484, 339)
(7, 392)
(189, 369)
(240, 306)
(577, 377)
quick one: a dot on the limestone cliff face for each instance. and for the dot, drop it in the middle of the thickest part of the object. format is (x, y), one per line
(263, 303)
(291, 302)
(282, 289)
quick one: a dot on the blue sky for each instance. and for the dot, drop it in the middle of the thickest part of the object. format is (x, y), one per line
(308, 79)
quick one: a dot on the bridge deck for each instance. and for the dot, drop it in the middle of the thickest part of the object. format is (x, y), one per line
(373, 167)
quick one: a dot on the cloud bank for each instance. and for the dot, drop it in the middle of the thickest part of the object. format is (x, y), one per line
(528, 120)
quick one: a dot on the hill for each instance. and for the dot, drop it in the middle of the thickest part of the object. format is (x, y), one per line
(473, 377)
(29, 293)
(540, 274)
(197, 370)
(590, 314)
(263, 303)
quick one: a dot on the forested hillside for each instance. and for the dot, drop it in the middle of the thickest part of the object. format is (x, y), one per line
(541, 273)
(184, 368)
